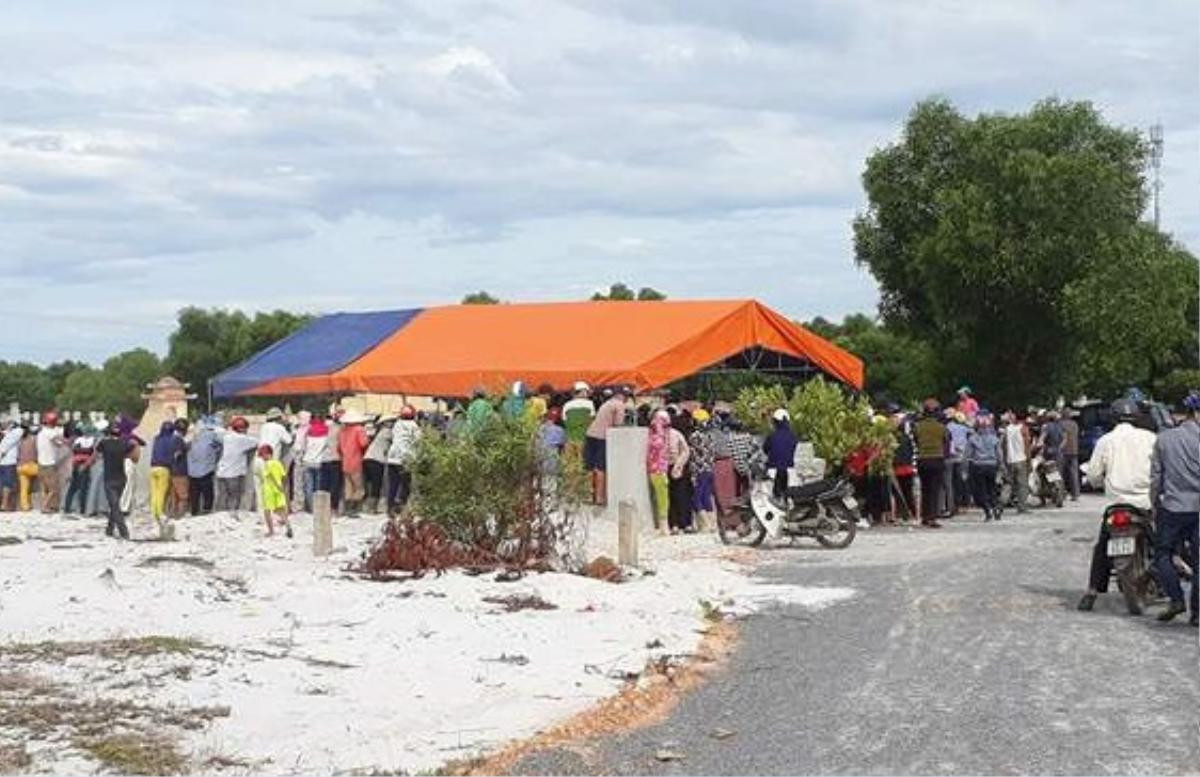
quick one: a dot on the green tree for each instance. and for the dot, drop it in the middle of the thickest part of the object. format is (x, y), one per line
(205, 342)
(118, 385)
(981, 231)
(619, 292)
(1135, 316)
(26, 384)
(900, 368)
(58, 372)
(480, 298)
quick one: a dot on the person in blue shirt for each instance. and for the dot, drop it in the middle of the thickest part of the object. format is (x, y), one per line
(780, 447)
(1175, 494)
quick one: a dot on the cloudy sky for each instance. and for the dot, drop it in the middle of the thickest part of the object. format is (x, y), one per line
(358, 154)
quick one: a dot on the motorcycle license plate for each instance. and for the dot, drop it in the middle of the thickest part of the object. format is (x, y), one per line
(850, 502)
(1121, 546)
(1054, 477)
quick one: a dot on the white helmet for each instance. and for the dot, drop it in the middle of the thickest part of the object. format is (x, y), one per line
(581, 386)
(781, 415)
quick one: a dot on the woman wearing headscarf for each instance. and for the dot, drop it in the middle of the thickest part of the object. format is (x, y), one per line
(679, 486)
(162, 456)
(983, 459)
(658, 465)
(316, 453)
(702, 468)
(780, 447)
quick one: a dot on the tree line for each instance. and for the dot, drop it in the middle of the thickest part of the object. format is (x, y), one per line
(204, 343)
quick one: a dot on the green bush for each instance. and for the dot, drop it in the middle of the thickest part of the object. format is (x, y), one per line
(490, 490)
(824, 414)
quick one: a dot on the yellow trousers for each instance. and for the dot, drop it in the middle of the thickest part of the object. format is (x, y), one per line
(160, 486)
(26, 474)
(658, 487)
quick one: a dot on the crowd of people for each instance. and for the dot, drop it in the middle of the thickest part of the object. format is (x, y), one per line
(215, 464)
(699, 461)
(951, 458)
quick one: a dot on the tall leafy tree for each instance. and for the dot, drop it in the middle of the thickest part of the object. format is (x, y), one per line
(900, 368)
(205, 342)
(118, 385)
(619, 292)
(26, 384)
(987, 235)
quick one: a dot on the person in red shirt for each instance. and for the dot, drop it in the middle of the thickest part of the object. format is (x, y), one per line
(352, 445)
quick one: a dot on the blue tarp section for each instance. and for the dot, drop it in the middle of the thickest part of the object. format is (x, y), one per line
(327, 344)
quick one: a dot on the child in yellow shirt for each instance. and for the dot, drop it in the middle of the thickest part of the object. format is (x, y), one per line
(275, 506)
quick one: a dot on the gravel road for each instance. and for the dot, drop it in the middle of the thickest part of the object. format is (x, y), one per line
(961, 653)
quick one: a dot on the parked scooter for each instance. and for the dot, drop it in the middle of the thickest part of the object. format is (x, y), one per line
(824, 510)
(1046, 482)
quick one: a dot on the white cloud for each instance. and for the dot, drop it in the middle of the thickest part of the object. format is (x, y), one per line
(385, 152)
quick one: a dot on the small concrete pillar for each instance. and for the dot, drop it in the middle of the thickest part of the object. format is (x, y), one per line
(627, 534)
(322, 524)
(627, 478)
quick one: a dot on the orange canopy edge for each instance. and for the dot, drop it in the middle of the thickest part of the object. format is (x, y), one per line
(455, 349)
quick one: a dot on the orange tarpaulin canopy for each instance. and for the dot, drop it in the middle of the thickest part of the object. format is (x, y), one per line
(452, 350)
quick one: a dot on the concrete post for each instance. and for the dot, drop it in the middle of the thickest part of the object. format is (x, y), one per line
(627, 478)
(627, 534)
(322, 524)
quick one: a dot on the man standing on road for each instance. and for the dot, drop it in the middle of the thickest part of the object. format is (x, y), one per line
(1175, 486)
(932, 441)
(1068, 463)
(1121, 465)
(1016, 459)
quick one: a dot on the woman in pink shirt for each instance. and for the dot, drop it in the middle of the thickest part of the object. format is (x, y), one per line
(658, 463)
(352, 445)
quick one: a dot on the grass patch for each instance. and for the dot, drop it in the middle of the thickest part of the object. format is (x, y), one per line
(26, 684)
(52, 717)
(118, 649)
(187, 561)
(516, 602)
(14, 758)
(711, 612)
(226, 762)
(136, 753)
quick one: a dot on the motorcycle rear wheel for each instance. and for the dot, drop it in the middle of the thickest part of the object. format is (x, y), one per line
(1130, 581)
(847, 528)
(1060, 495)
(728, 529)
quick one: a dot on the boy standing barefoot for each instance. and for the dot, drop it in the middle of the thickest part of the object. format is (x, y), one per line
(275, 507)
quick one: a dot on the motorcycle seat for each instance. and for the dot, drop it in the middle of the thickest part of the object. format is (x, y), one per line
(811, 490)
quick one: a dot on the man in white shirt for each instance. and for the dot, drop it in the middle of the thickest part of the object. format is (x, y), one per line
(275, 434)
(1016, 459)
(9, 447)
(1121, 463)
(51, 447)
(236, 447)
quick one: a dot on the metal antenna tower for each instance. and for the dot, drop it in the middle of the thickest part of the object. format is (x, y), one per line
(1156, 155)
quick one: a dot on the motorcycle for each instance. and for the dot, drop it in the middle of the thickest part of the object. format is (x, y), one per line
(1131, 553)
(1046, 482)
(824, 510)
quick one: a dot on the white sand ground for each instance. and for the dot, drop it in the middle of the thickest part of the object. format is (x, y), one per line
(324, 672)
